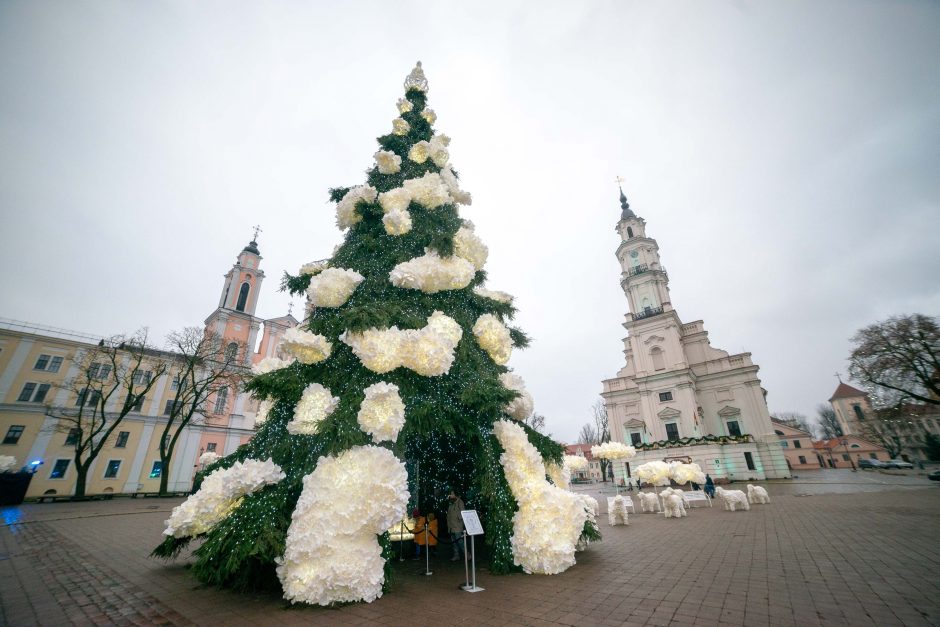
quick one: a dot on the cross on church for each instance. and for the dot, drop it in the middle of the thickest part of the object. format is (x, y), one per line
(290, 308)
(619, 181)
(257, 230)
(839, 377)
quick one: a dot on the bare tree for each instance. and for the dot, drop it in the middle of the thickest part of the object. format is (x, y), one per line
(829, 426)
(536, 421)
(900, 357)
(588, 434)
(111, 382)
(795, 420)
(204, 370)
(597, 431)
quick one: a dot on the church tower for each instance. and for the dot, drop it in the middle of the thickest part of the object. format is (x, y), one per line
(675, 390)
(234, 319)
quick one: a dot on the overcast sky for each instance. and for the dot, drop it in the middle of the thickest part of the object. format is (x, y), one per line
(785, 155)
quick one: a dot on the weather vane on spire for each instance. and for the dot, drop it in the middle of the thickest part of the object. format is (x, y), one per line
(257, 229)
(623, 199)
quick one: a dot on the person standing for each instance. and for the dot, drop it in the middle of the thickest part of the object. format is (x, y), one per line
(709, 486)
(455, 524)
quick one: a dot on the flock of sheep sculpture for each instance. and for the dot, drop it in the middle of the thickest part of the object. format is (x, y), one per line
(671, 502)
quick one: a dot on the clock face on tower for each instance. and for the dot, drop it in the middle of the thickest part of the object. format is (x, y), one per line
(634, 254)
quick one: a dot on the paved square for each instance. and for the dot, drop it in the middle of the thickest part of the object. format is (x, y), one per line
(870, 558)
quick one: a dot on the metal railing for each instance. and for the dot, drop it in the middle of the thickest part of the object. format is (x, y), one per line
(648, 312)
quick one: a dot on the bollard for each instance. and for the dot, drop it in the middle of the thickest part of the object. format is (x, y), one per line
(427, 552)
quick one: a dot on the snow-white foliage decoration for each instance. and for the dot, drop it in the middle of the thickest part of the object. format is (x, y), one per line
(613, 451)
(428, 351)
(523, 405)
(396, 199)
(576, 463)
(404, 105)
(400, 126)
(220, 493)
(332, 554)
(467, 245)
(264, 411)
(453, 186)
(387, 161)
(333, 287)
(684, 473)
(432, 273)
(429, 191)
(499, 297)
(655, 473)
(314, 267)
(208, 458)
(420, 152)
(382, 413)
(307, 347)
(438, 146)
(429, 115)
(270, 364)
(493, 337)
(315, 404)
(559, 474)
(346, 213)
(7, 463)
(397, 222)
(549, 522)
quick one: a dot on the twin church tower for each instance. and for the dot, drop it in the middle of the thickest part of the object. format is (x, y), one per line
(677, 397)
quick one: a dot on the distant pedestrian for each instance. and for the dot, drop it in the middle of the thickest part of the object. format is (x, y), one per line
(455, 524)
(709, 487)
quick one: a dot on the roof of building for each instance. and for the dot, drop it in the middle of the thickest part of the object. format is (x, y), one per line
(835, 444)
(584, 449)
(794, 431)
(252, 247)
(625, 211)
(847, 391)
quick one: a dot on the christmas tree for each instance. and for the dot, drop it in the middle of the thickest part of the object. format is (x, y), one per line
(393, 392)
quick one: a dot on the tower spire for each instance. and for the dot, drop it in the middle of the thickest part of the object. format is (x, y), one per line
(625, 211)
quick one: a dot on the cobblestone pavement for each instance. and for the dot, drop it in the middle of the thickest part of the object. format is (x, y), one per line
(870, 558)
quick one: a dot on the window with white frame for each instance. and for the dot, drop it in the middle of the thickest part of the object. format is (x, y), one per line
(48, 363)
(221, 398)
(665, 396)
(99, 371)
(142, 377)
(112, 469)
(14, 433)
(156, 470)
(59, 469)
(33, 392)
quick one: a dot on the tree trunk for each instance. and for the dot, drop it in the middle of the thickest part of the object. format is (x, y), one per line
(81, 479)
(164, 476)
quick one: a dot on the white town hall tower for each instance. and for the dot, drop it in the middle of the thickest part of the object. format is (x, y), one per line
(677, 397)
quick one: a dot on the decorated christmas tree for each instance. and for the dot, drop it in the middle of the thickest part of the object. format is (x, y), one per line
(394, 391)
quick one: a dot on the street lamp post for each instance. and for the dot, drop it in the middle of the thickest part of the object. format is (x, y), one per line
(845, 444)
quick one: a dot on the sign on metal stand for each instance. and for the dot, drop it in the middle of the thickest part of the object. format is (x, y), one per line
(472, 528)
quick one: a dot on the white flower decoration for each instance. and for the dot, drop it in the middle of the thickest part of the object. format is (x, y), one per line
(308, 348)
(219, 494)
(559, 474)
(613, 451)
(397, 222)
(396, 199)
(429, 191)
(523, 405)
(388, 162)
(400, 126)
(378, 350)
(549, 522)
(316, 403)
(576, 463)
(264, 411)
(429, 115)
(500, 297)
(404, 105)
(7, 462)
(382, 413)
(493, 337)
(420, 152)
(332, 554)
(684, 473)
(208, 458)
(655, 473)
(453, 187)
(270, 364)
(428, 351)
(432, 273)
(468, 245)
(314, 267)
(346, 213)
(333, 287)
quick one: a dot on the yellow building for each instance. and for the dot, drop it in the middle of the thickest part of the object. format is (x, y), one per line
(37, 363)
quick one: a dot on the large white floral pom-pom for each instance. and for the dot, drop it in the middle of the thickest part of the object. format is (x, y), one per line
(468, 245)
(493, 337)
(420, 152)
(428, 351)
(432, 273)
(7, 462)
(332, 554)
(382, 413)
(270, 364)
(500, 297)
(429, 191)
(208, 458)
(388, 162)
(614, 451)
(439, 154)
(429, 115)
(404, 105)
(684, 473)
(333, 287)
(219, 494)
(308, 348)
(453, 186)
(397, 222)
(396, 199)
(523, 405)
(655, 473)
(379, 350)
(314, 267)
(316, 403)
(264, 411)
(346, 214)
(559, 474)
(575, 463)
(400, 126)
(550, 520)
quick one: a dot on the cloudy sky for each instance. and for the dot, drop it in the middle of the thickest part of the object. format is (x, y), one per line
(785, 155)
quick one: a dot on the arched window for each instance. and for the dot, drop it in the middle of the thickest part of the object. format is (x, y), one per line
(242, 297)
(858, 412)
(659, 363)
(231, 351)
(629, 231)
(221, 397)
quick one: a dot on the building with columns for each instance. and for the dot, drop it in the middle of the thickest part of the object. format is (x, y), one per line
(677, 397)
(37, 361)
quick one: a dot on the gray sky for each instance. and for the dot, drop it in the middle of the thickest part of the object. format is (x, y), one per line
(785, 155)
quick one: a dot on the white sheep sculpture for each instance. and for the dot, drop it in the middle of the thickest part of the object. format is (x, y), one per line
(617, 514)
(757, 494)
(732, 499)
(649, 502)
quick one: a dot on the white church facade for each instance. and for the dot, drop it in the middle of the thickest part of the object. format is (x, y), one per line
(677, 397)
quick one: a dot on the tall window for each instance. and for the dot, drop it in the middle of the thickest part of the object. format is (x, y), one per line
(221, 398)
(749, 460)
(659, 362)
(13, 434)
(797, 444)
(48, 363)
(734, 428)
(142, 377)
(242, 297)
(210, 447)
(629, 231)
(138, 404)
(156, 470)
(636, 439)
(42, 362)
(88, 398)
(58, 470)
(72, 438)
(802, 459)
(26, 394)
(672, 431)
(169, 407)
(122, 439)
(231, 351)
(114, 465)
(99, 371)
(858, 412)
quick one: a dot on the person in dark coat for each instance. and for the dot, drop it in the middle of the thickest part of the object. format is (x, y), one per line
(709, 486)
